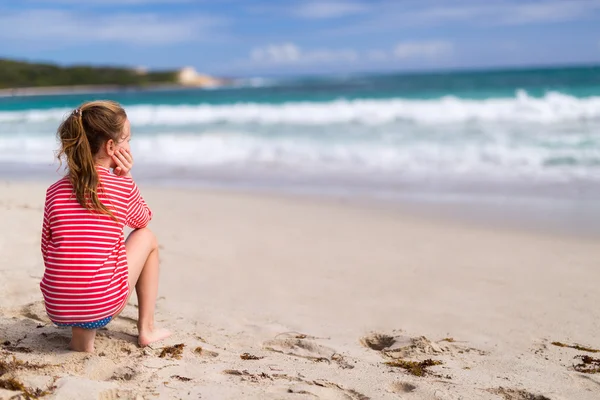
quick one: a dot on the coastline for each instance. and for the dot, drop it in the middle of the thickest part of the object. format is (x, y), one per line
(87, 89)
(58, 90)
(303, 284)
(570, 209)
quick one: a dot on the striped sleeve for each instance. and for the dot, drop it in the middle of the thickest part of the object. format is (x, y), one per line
(138, 212)
(45, 229)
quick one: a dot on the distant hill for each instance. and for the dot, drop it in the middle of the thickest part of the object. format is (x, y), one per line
(19, 74)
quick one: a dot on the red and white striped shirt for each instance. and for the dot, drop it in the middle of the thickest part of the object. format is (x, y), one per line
(86, 275)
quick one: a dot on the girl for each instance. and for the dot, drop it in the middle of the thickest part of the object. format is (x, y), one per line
(91, 269)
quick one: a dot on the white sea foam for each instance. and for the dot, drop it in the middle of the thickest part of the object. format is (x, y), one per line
(552, 108)
(495, 160)
(550, 138)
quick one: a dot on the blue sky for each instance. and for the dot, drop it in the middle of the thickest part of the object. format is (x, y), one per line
(283, 37)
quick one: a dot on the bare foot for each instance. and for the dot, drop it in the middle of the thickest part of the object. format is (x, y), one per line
(82, 349)
(82, 340)
(151, 336)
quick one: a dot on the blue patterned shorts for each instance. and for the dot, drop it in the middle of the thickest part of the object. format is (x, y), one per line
(87, 325)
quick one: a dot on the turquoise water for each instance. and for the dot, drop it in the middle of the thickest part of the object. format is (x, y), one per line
(514, 126)
(477, 85)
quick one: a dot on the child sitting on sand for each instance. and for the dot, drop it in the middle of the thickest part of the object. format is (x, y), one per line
(91, 269)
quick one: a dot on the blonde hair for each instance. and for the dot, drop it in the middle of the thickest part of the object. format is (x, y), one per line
(82, 135)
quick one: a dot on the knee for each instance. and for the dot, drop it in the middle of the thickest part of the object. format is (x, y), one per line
(149, 237)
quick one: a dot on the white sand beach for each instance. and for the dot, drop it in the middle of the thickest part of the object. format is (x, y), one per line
(323, 293)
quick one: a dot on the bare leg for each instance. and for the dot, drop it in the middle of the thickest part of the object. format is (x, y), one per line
(142, 257)
(82, 340)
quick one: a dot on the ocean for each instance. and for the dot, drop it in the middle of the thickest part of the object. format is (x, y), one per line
(501, 134)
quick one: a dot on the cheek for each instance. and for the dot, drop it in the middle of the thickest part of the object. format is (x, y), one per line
(124, 145)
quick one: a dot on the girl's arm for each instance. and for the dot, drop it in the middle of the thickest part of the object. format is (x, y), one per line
(138, 212)
(46, 233)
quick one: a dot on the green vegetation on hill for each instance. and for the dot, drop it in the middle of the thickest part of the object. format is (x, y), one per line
(18, 74)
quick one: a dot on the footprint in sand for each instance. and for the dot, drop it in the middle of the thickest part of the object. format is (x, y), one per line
(201, 351)
(402, 387)
(99, 368)
(400, 346)
(124, 374)
(116, 345)
(36, 311)
(423, 393)
(300, 345)
(397, 346)
(57, 340)
(378, 341)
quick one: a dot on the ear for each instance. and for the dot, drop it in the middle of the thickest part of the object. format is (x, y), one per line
(110, 147)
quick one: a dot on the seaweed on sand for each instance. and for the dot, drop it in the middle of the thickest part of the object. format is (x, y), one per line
(248, 356)
(588, 365)
(416, 368)
(181, 378)
(11, 383)
(172, 351)
(576, 347)
(15, 385)
(14, 364)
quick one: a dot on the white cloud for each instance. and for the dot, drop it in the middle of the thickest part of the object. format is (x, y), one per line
(509, 12)
(283, 53)
(388, 16)
(328, 9)
(422, 49)
(67, 27)
(289, 53)
(547, 11)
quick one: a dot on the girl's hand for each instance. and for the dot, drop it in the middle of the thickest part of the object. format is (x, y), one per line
(124, 162)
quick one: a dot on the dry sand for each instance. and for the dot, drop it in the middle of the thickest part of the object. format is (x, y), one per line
(323, 293)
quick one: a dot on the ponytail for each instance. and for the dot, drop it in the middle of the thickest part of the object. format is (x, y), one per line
(79, 145)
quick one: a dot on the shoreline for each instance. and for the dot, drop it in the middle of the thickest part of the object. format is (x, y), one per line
(308, 287)
(88, 89)
(560, 209)
(516, 215)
